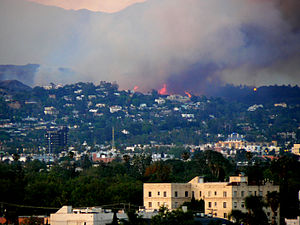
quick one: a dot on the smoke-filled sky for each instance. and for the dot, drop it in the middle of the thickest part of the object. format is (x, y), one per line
(187, 44)
(109, 6)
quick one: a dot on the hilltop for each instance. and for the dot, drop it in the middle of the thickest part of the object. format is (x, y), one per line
(14, 86)
(23, 73)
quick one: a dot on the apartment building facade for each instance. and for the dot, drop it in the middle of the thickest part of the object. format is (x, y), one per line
(219, 197)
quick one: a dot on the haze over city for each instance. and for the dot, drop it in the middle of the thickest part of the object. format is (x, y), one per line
(185, 44)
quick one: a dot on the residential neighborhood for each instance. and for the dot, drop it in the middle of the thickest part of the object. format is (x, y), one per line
(87, 146)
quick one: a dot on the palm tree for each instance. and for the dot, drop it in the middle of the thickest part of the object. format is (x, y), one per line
(273, 202)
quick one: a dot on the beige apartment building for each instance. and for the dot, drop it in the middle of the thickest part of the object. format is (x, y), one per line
(296, 149)
(220, 197)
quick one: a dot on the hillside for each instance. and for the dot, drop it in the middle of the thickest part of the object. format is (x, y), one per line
(23, 73)
(14, 86)
(261, 95)
(92, 110)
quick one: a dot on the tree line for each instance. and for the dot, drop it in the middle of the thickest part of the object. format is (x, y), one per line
(35, 184)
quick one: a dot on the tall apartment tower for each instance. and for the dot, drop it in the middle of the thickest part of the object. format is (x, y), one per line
(56, 139)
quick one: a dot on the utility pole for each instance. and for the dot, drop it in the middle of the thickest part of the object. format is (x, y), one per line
(113, 139)
(49, 143)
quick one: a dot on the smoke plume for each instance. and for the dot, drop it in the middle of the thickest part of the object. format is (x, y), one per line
(191, 45)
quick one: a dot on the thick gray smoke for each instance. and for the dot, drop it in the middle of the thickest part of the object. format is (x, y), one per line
(291, 12)
(188, 44)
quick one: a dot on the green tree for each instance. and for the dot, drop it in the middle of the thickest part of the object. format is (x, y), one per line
(217, 164)
(273, 201)
(285, 172)
(256, 214)
(16, 157)
(249, 157)
(139, 165)
(237, 216)
(133, 219)
(166, 217)
(158, 172)
(195, 205)
(185, 155)
(85, 162)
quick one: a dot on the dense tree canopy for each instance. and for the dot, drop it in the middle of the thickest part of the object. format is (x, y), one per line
(33, 184)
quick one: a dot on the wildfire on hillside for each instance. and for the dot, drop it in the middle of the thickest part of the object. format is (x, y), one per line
(135, 88)
(188, 94)
(163, 91)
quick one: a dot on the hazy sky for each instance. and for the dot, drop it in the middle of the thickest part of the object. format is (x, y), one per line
(187, 44)
(93, 5)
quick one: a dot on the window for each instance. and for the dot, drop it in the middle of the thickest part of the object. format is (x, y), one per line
(158, 193)
(176, 204)
(215, 204)
(176, 194)
(200, 194)
(250, 193)
(158, 203)
(149, 194)
(215, 193)
(260, 193)
(255, 193)
(235, 194)
(208, 194)
(243, 204)
(150, 204)
(193, 194)
(242, 193)
(165, 194)
(186, 194)
(225, 215)
(209, 204)
(224, 194)
(235, 204)
(224, 205)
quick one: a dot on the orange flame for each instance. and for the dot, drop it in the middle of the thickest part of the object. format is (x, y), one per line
(188, 94)
(135, 88)
(163, 91)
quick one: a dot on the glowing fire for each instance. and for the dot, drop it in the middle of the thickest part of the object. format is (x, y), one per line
(188, 94)
(135, 88)
(163, 91)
